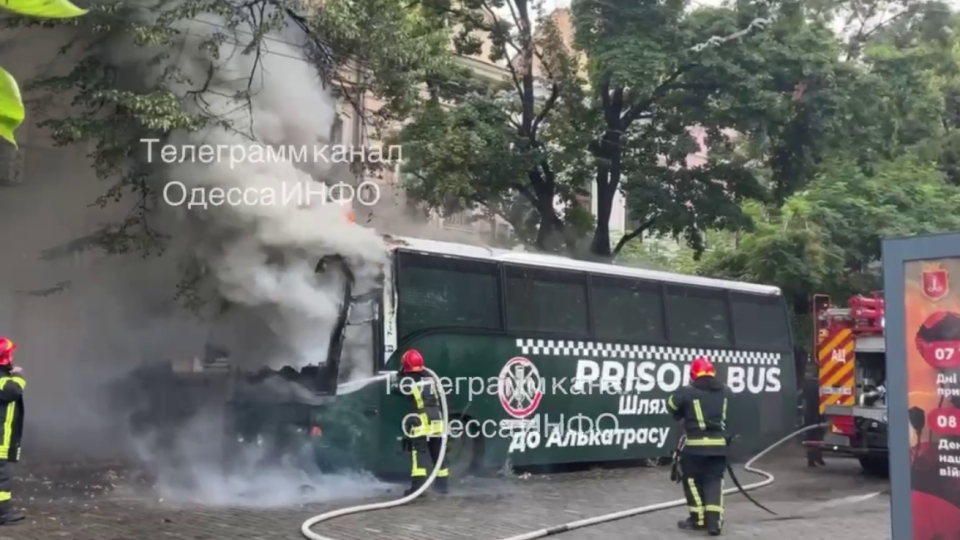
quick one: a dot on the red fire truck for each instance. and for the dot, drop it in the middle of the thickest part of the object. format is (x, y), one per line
(851, 359)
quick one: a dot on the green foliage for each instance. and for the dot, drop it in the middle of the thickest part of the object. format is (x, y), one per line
(550, 131)
(396, 45)
(12, 112)
(826, 239)
(488, 142)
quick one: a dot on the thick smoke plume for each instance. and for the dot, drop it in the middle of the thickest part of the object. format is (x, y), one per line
(260, 258)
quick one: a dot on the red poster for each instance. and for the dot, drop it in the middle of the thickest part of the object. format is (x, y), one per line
(933, 386)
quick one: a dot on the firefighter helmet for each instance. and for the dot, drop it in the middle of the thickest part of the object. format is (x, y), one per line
(7, 346)
(411, 360)
(702, 367)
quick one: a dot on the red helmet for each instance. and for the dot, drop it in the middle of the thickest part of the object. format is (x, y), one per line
(702, 367)
(7, 346)
(411, 360)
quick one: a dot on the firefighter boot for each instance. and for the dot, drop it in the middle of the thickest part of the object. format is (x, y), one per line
(691, 523)
(415, 484)
(8, 516)
(714, 522)
(441, 485)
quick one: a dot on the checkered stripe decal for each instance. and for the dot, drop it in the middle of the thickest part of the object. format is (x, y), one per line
(592, 349)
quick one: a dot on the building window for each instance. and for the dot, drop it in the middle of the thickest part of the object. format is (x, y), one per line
(336, 131)
(457, 220)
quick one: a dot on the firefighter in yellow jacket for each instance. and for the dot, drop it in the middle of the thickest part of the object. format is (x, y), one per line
(12, 386)
(702, 407)
(423, 428)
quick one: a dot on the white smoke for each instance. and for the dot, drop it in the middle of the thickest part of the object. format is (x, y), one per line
(287, 107)
(260, 257)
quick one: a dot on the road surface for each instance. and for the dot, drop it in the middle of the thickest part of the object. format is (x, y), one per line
(98, 503)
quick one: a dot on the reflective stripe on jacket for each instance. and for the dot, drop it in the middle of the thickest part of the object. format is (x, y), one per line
(11, 403)
(422, 390)
(703, 408)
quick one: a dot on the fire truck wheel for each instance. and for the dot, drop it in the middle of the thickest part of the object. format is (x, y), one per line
(878, 466)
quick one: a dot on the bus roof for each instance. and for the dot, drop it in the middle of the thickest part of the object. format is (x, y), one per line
(451, 249)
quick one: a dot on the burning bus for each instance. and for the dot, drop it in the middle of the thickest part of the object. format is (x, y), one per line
(545, 360)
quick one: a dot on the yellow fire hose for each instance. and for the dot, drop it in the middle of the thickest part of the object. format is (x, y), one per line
(308, 525)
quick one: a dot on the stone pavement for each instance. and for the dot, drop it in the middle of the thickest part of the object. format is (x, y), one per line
(99, 505)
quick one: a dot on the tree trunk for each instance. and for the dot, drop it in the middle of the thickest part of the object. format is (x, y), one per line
(607, 182)
(600, 246)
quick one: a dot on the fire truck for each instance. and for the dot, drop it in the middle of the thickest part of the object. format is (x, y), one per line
(851, 367)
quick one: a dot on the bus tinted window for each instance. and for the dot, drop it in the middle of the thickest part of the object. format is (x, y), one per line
(759, 322)
(627, 310)
(545, 301)
(439, 292)
(697, 316)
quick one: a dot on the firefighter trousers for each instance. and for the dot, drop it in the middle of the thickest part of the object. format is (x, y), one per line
(424, 453)
(703, 488)
(6, 488)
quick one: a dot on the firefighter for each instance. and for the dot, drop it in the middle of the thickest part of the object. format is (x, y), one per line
(12, 386)
(702, 407)
(811, 413)
(423, 428)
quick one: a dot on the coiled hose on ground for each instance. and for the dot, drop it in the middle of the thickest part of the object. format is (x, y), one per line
(308, 525)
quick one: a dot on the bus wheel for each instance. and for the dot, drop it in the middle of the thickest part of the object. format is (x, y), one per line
(878, 466)
(463, 453)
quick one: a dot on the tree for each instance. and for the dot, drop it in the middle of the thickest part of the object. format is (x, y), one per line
(827, 238)
(12, 112)
(653, 71)
(483, 144)
(885, 169)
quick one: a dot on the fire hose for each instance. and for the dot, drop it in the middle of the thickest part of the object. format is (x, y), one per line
(310, 523)
(306, 528)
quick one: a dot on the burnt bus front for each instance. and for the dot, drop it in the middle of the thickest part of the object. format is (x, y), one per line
(293, 416)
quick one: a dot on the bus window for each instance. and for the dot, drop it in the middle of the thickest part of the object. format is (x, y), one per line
(546, 301)
(441, 292)
(759, 322)
(627, 310)
(697, 317)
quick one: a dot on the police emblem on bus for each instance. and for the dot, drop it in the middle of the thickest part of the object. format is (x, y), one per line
(520, 387)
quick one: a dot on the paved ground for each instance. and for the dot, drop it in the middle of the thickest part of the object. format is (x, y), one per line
(97, 503)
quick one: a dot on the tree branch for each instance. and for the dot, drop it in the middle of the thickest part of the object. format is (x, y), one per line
(547, 107)
(633, 234)
(637, 110)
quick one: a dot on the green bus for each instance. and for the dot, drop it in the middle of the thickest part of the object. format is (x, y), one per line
(549, 360)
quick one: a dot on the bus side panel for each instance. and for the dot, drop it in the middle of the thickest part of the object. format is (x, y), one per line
(346, 429)
(505, 385)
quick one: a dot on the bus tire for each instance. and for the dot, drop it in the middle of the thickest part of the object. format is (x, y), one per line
(878, 466)
(464, 452)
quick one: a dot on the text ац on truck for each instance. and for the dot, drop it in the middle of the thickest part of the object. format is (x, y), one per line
(851, 357)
